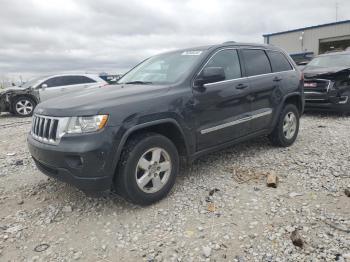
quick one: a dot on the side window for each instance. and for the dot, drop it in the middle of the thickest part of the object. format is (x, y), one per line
(54, 81)
(83, 80)
(227, 59)
(256, 62)
(70, 80)
(67, 80)
(278, 61)
(76, 80)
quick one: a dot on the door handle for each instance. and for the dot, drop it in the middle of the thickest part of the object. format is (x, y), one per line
(277, 79)
(241, 86)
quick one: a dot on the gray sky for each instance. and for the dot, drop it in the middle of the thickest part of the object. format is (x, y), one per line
(46, 36)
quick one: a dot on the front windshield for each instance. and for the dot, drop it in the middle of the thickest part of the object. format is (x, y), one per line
(31, 83)
(330, 61)
(162, 69)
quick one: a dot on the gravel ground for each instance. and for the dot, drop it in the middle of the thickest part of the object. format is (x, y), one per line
(219, 210)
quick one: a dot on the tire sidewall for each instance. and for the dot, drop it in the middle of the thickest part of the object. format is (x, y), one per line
(287, 109)
(14, 108)
(128, 172)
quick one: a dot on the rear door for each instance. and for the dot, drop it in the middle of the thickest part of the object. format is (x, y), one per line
(263, 86)
(85, 81)
(76, 83)
(286, 79)
(221, 108)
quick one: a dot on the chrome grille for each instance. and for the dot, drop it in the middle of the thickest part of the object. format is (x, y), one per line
(45, 129)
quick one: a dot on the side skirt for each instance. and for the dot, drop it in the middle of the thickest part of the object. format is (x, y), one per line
(228, 144)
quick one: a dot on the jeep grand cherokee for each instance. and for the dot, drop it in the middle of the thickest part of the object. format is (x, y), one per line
(130, 137)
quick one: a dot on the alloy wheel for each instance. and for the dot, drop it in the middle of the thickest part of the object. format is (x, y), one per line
(153, 170)
(24, 107)
(289, 125)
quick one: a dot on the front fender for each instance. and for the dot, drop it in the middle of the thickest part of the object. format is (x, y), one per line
(125, 132)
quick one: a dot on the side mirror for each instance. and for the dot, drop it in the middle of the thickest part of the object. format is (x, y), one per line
(43, 86)
(210, 75)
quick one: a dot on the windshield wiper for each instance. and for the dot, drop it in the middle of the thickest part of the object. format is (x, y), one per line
(138, 83)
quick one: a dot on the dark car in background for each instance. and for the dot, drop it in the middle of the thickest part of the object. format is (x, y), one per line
(180, 105)
(302, 59)
(327, 82)
(110, 78)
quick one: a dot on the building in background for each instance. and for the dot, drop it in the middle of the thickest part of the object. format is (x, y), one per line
(313, 40)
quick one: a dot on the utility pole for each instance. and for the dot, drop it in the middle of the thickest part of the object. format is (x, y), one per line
(336, 11)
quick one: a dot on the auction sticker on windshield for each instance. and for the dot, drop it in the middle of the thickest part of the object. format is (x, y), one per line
(191, 53)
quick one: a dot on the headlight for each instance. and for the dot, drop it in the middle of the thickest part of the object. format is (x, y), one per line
(85, 124)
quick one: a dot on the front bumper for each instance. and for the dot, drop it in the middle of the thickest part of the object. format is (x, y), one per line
(85, 161)
(327, 102)
(324, 96)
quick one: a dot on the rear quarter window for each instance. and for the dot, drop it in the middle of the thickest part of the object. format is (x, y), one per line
(256, 62)
(278, 61)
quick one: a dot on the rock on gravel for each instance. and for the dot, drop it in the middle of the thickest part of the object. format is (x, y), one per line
(206, 251)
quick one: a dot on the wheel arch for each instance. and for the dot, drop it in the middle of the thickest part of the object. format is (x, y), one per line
(16, 96)
(297, 100)
(170, 128)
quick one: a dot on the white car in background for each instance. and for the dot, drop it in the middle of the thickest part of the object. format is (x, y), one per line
(40, 89)
(56, 85)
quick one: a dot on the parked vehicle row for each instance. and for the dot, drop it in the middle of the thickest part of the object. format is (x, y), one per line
(23, 99)
(173, 107)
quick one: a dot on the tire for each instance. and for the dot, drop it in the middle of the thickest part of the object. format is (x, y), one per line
(140, 155)
(23, 106)
(285, 137)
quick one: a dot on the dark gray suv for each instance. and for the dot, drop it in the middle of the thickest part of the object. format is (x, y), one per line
(131, 137)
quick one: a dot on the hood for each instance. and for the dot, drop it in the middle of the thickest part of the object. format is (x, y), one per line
(12, 88)
(325, 72)
(97, 100)
(17, 90)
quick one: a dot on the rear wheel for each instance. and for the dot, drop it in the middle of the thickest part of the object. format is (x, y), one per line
(23, 106)
(148, 168)
(287, 127)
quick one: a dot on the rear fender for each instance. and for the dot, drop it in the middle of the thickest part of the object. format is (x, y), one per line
(301, 104)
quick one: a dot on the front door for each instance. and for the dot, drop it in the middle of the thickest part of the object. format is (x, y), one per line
(222, 108)
(54, 87)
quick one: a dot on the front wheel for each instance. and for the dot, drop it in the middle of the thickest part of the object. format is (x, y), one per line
(147, 169)
(23, 106)
(287, 127)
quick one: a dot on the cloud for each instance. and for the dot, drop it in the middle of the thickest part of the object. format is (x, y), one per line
(41, 37)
